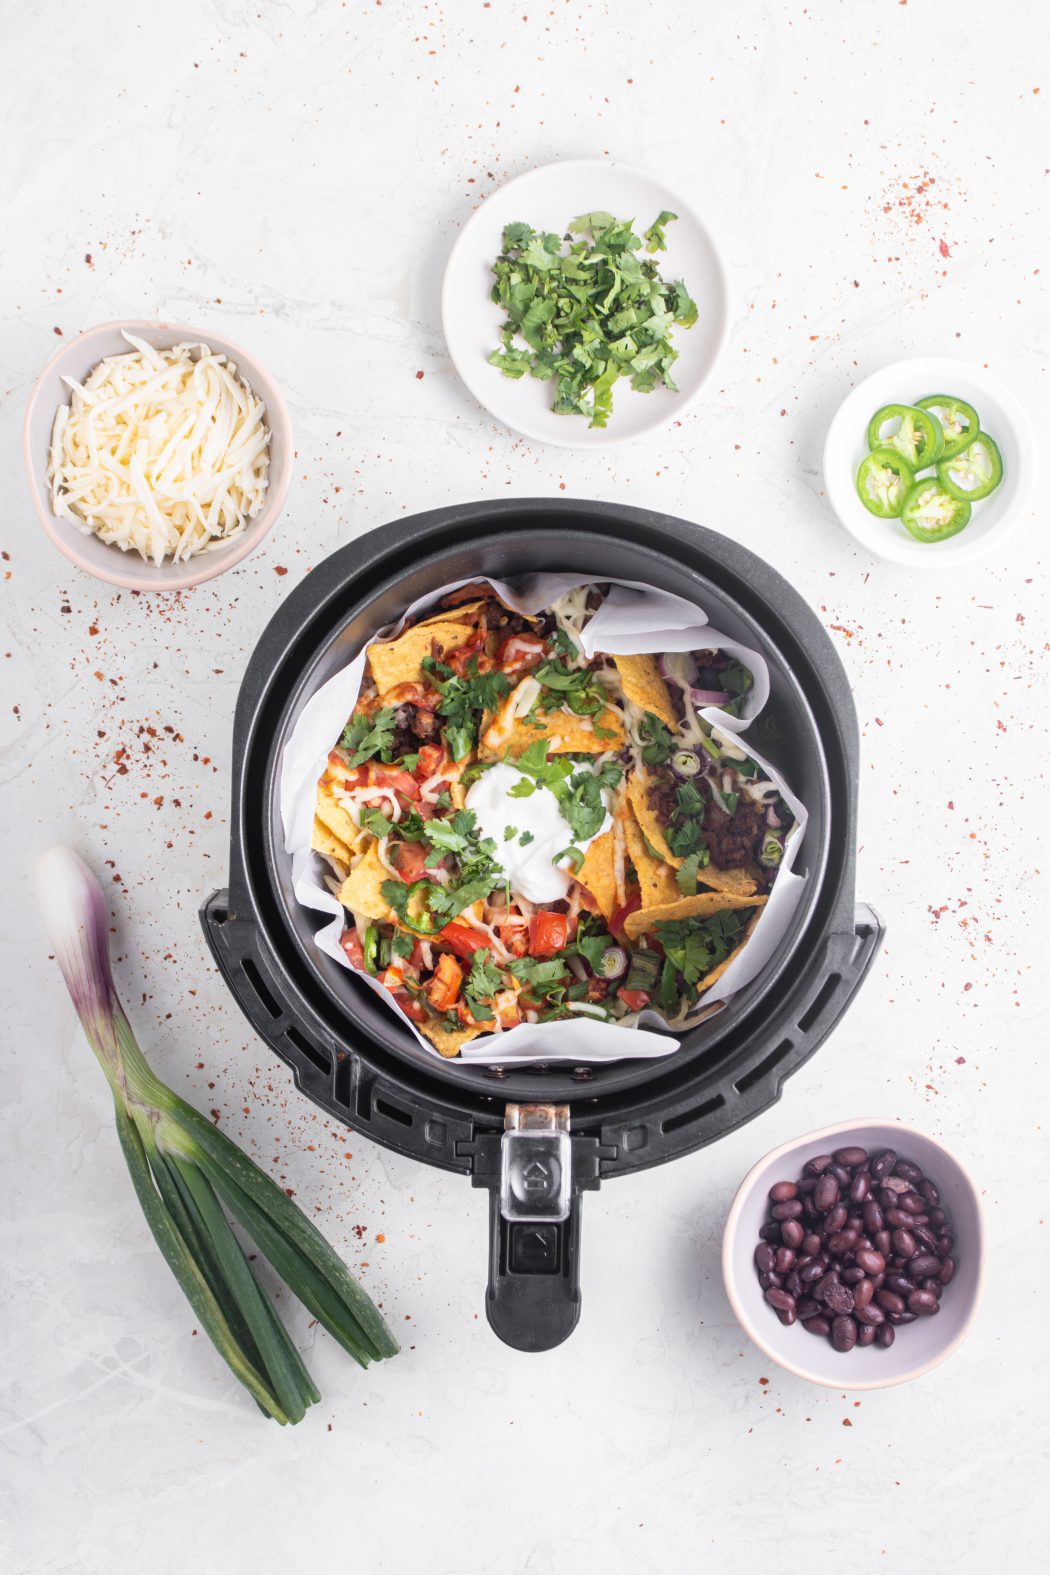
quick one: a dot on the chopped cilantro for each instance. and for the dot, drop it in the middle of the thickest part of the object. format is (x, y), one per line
(659, 741)
(509, 833)
(463, 700)
(367, 736)
(589, 315)
(376, 822)
(685, 875)
(525, 838)
(695, 946)
(401, 944)
(574, 855)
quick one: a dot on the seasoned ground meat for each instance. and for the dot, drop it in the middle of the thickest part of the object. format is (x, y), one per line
(412, 726)
(661, 795)
(734, 841)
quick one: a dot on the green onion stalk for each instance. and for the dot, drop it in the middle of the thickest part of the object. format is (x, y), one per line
(191, 1180)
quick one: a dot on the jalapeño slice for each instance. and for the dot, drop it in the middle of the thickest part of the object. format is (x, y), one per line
(959, 421)
(973, 473)
(883, 481)
(913, 433)
(931, 513)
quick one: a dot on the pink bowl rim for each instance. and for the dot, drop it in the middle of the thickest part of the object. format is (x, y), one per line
(210, 565)
(842, 1129)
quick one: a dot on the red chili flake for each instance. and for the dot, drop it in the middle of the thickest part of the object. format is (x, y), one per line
(763, 1380)
(280, 569)
(57, 331)
(943, 249)
(960, 1060)
(845, 1420)
(419, 376)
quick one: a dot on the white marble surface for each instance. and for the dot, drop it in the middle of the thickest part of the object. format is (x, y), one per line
(295, 174)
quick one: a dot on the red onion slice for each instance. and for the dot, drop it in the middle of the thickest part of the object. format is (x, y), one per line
(709, 696)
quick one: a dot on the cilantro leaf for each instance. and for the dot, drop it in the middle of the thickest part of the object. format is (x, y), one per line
(695, 946)
(659, 741)
(685, 875)
(525, 838)
(367, 736)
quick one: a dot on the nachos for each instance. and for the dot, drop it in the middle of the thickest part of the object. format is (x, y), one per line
(521, 833)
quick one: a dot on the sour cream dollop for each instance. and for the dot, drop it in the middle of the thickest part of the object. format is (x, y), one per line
(531, 869)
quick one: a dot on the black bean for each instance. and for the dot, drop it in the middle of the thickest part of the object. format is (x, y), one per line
(937, 1218)
(843, 1333)
(859, 1187)
(812, 1243)
(904, 1244)
(883, 1163)
(947, 1271)
(852, 1276)
(786, 1211)
(863, 1291)
(780, 1299)
(924, 1236)
(871, 1261)
(924, 1264)
(763, 1257)
(867, 1333)
(825, 1193)
(900, 1283)
(883, 1242)
(890, 1302)
(787, 1315)
(885, 1336)
(783, 1191)
(793, 1283)
(817, 1325)
(819, 1165)
(807, 1307)
(842, 1242)
(792, 1234)
(820, 1290)
(785, 1260)
(929, 1192)
(946, 1244)
(934, 1287)
(851, 1157)
(839, 1297)
(912, 1204)
(907, 1171)
(840, 1173)
(769, 1278)
(873, 1218)
(898, 1219)
(812, 1271)
(897, 1319)
(896, 1185)
(872, 1313)
(836, 1218)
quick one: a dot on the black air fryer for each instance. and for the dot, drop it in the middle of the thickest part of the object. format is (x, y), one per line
(539, 1136)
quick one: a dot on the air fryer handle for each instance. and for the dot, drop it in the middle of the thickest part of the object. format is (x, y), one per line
(533, 1297)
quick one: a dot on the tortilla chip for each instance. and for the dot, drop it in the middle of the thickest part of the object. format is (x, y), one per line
(394, 662)
(716, 973)
(335, 818)
(598, 873)
(656, 880)
(465, 612)
(739, 882)
(360, 891)
(565, 732)
(644, 685)
(702, 906)
(448, 1041)
(322, 841)
(742, 882)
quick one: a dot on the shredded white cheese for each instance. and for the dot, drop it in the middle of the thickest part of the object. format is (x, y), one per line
(161, 452)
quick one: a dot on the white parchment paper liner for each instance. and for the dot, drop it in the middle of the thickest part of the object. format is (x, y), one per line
(633, 620)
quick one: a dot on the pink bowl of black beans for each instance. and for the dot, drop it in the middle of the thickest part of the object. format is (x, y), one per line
(854, 1256)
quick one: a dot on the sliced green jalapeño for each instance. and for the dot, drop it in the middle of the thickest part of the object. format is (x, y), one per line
(883, 481)
(959, 421)
(974, 472)
(914, 434)
(931, 513)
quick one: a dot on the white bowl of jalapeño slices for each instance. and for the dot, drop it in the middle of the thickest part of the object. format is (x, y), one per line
(930, 460)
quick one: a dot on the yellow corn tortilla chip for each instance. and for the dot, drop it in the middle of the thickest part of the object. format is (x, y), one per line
(656, 880)
(360, 891)
(397, 661)
(598, 873)
(716, 973)
(644, 684)
(465, 612)
(702, 906)
(335, 818)
(322, 841)
(739, 882)
(565, 732)
(448, 1041)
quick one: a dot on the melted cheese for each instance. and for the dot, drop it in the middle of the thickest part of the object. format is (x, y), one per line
(160, 452)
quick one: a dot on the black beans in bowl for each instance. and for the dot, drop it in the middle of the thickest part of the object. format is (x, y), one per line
(855, 1249)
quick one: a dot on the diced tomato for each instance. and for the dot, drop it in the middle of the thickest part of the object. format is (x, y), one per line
(630, 906)
(410, 1006)
(410, 861)
(462, 940)
(462, 659)
(350, 941)
(520, 651)
(548, 933)
(634, 1000)
(431, 759)
(402, 782)
(444, 986)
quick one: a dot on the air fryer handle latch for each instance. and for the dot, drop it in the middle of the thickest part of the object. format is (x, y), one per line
(535, 1175)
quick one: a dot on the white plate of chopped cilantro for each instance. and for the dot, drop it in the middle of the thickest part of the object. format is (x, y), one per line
(584, 304)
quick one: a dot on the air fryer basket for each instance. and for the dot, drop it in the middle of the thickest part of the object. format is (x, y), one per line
(356, 1060)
